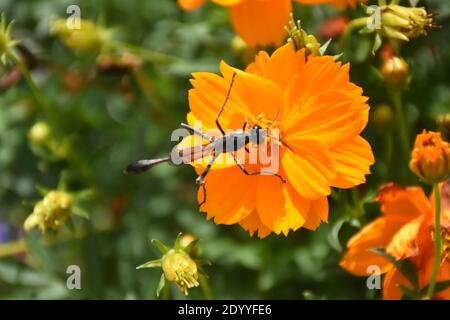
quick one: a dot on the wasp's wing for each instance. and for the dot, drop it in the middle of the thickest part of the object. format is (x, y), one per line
(190, 154)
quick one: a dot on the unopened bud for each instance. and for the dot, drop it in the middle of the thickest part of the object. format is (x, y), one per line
(430, 158)
(382, 118)
(39, 133)
(395, 72)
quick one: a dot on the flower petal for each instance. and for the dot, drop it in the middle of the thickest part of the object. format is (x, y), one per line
(310, 169)
(331, 117)
(223, 185)
(405, 244)
(252, 223)
(376, 234)
(281, 67)
(353, 161)
(318, 213)
(278, 209)
(406, 202)
(207, 97)
(258, 94)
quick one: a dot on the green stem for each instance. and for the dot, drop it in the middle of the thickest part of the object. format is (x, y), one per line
(205, 287)
(401, 122)
(437, 241)
(388, 148)
(354, 24)
(37, 93)
(395, 1)
(149, 55)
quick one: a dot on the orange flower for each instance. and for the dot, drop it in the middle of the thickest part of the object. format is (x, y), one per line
(340, 4)
(257, 22)
(320, 116)
(261, 22)
(430, 158)
(405, 230)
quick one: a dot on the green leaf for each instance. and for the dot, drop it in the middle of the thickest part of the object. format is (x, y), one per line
(405, 267)
(161, 246)
(337, 57)
(42, 190)
(80, 212)
(333, 236)
(151, 264)
(409, 293)
(177, 244)
(324, 47)
(440, 286)
(365, 30)
(377, 44)
(161, 284)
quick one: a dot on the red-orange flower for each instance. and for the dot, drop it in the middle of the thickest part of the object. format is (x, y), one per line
(320, 116)
(405, 230)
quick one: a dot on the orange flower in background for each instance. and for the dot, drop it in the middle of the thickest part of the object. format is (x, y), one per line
(320, 116)
(430, 158)
(257, 22)
(261, 22)
(405, 230)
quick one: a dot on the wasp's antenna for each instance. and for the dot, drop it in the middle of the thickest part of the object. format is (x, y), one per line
(275, 118)
(143, 165)
(222, 108)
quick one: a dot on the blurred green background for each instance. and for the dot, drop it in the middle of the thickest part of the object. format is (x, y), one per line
(105, 119)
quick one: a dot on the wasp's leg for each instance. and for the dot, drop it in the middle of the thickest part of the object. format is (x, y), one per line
(243, 129)
(224, 104)
(245, 125)
(239, 164)
(201, 178)
(197, 132)
(204, 196)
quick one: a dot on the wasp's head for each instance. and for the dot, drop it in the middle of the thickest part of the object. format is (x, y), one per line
(257, 134)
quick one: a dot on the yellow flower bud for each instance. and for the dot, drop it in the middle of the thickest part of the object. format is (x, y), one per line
(39, 133)
(88, 38)
(51, 212)
(430, 158)
(395, 72)
(179, 267)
